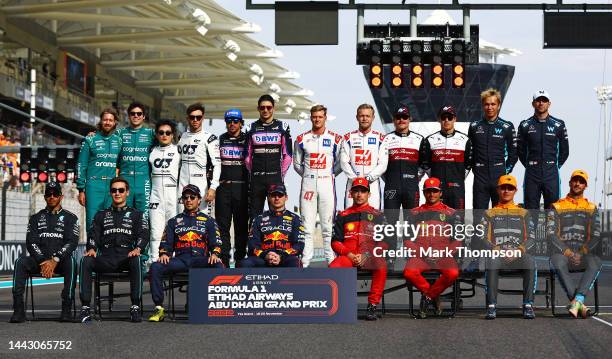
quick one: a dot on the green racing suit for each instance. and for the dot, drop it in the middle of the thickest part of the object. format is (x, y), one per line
(97, 166)
(134, 165)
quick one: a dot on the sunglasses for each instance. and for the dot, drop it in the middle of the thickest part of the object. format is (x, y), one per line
(164, 133)
(117, 190)
(232, 120)
(190, 197)
(397, 118)
(447, 118)
(266, 108)
(135, 113)
(195, 117)
(52, 194)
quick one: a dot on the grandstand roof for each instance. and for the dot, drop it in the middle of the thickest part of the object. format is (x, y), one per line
(188, 51)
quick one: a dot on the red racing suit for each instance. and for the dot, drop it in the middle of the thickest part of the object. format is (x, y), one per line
(354, 233)
(435, 221)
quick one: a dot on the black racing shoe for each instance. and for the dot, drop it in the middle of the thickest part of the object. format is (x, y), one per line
(85, 316)
(424, 306)
(66, 315)
(371, 312)
(19, 315)
(528, 312)
(491, 312)
(135, 315)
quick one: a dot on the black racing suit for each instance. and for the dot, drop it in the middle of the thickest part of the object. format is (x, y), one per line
(268, 157)
(510, 227)
(115, 232)
(232, 196)
(403, 173)
(542, 148)
(494, 155)
(50, 234)
(448, 157)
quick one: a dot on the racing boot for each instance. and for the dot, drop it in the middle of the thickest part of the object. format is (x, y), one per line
(371, 312)
(438, 305)
(574, 308)
(66, 315)
(158, 316)
(85, 316)
(491, 312)
(585, 312)
(18, 311)
(135, 315)
(528, 312)
(424, 306)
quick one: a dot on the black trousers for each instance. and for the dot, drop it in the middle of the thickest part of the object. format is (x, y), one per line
(26, 266)
(110, 264)
(231, 202)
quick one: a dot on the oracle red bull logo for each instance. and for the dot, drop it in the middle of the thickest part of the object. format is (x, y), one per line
(276, 236)
(190, 237)
(318, 161)
(363, 157)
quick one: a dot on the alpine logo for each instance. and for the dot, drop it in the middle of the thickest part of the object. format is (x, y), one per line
(363, 157)
(318, 161)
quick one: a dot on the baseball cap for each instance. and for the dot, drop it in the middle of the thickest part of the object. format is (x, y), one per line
(191, 188)
(53, 187)
(402, 110)
(431, 183)
(507, 179)
(447, 110)
(360, 182)
(580, 173)
(233, 113)
(277, 188)
(541, 93)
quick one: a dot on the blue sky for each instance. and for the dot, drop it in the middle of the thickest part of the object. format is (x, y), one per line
(568, 75)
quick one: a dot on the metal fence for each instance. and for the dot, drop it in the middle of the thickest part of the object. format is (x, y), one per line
(18, 205)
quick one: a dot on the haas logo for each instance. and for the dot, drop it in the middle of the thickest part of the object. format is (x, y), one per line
(363, 157)
(162, 162)
(318, 161)
(187, 149)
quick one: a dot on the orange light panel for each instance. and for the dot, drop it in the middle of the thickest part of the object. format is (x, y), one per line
(397, 81)
(458, 69)
(417, 69)
(437, 81)
(437, 69)
(376, 69)
(396, 69)
(376, 81)
(458, 81)
(417, 82)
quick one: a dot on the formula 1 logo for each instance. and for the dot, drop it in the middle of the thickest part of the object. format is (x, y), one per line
(226, 279)
(318, 161)
(162, 162)
(187, 149)
(363, 157)
(309, 195)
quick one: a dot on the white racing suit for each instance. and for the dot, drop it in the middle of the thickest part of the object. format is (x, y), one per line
(316, 159)
(165, 162)
(363, 155)
(198, 150)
